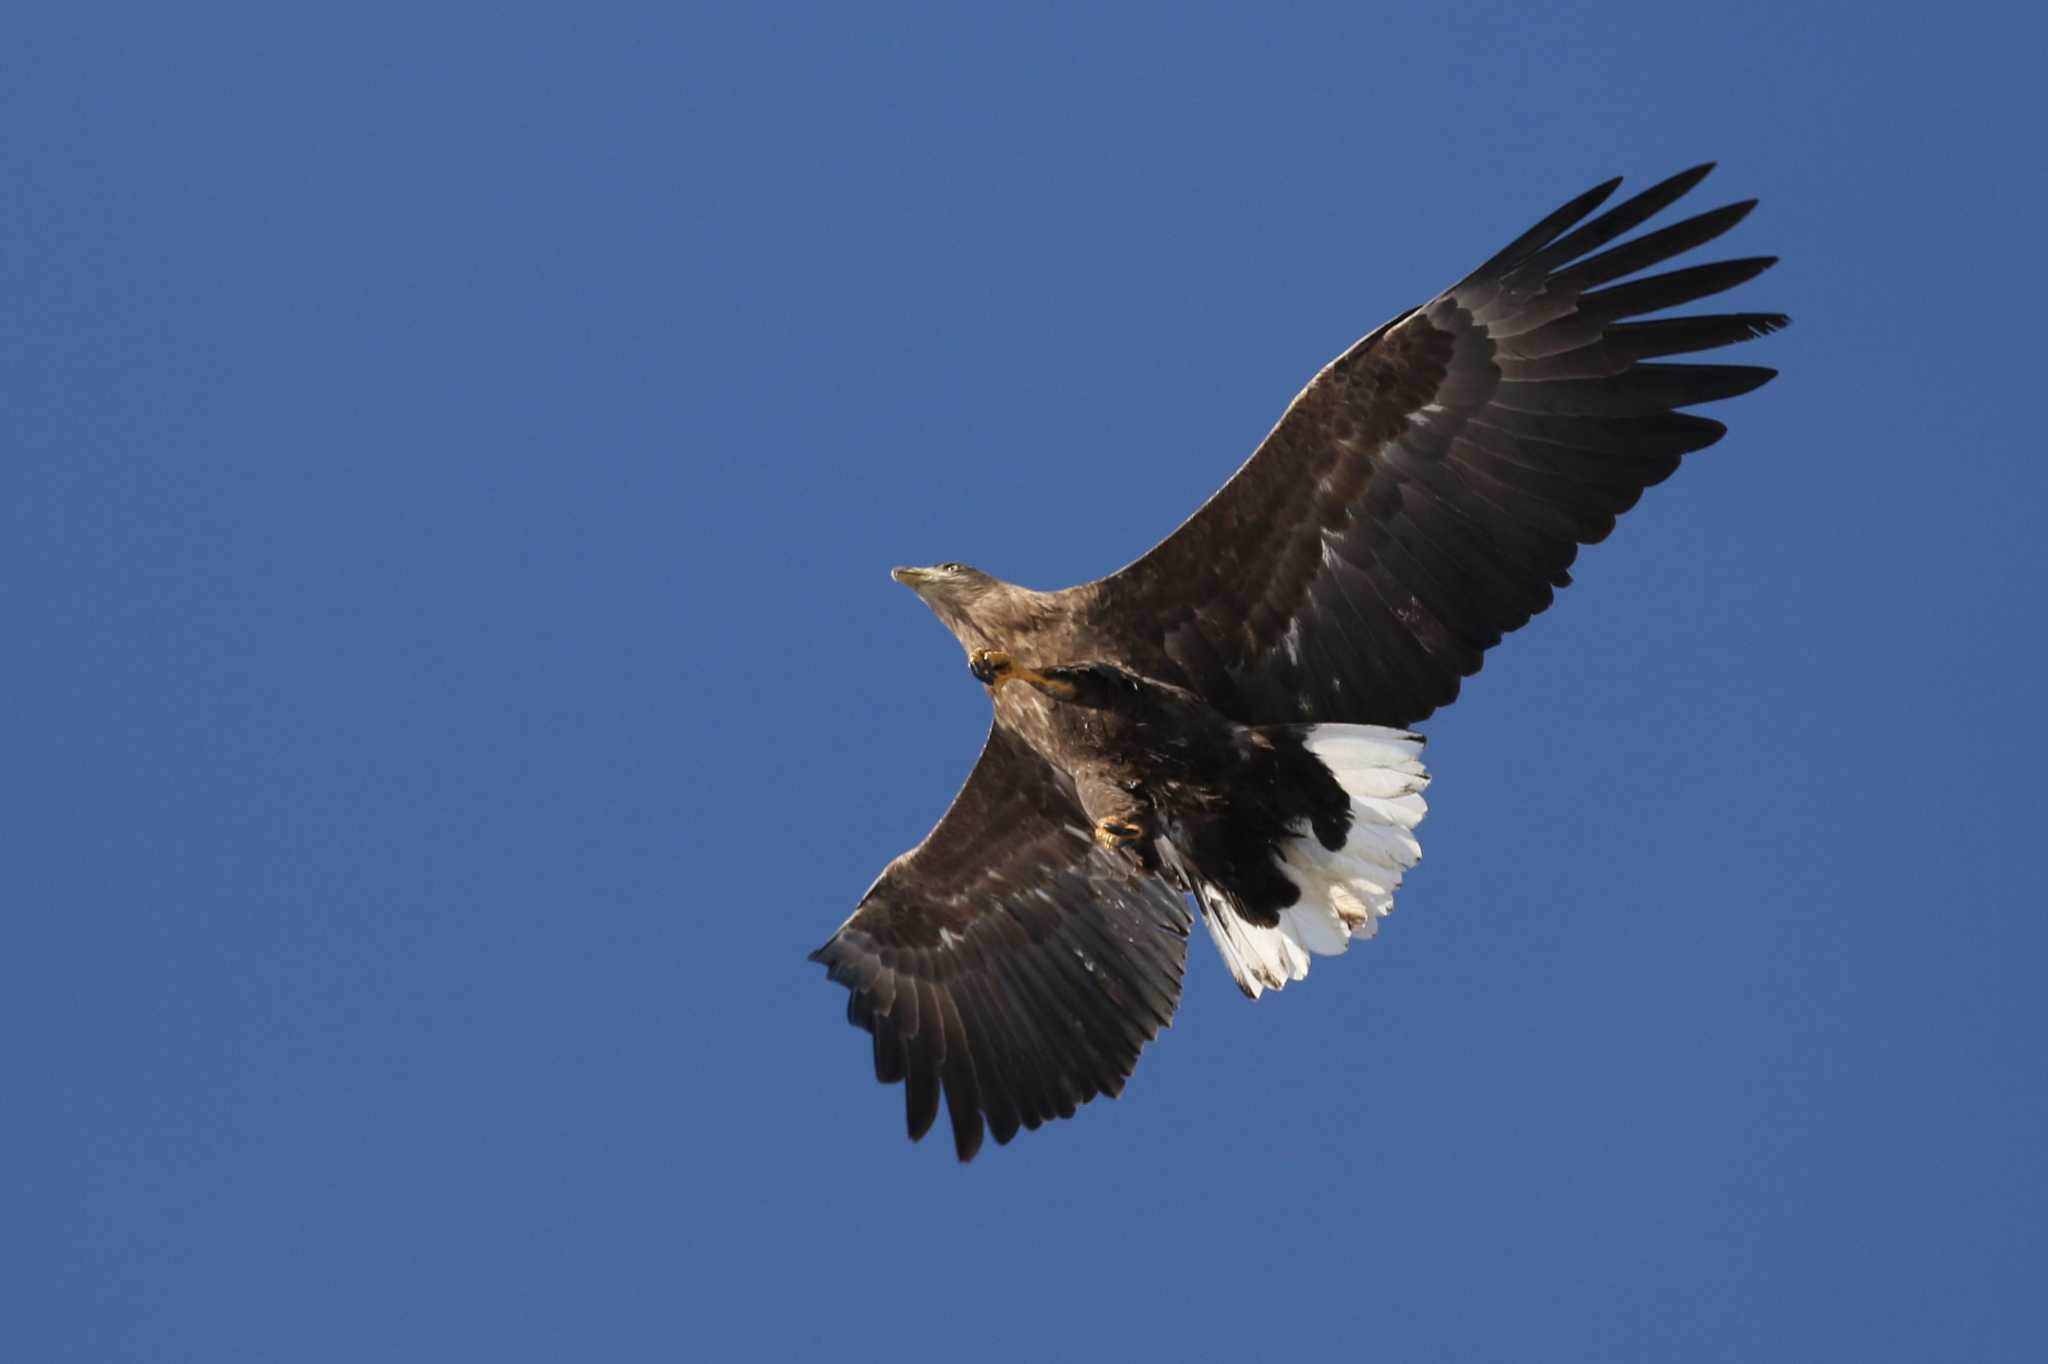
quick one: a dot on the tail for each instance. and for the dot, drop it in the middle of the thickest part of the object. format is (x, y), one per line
(1345, 890)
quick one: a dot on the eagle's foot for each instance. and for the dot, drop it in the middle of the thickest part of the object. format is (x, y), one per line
(994, 667)
(1112, 833)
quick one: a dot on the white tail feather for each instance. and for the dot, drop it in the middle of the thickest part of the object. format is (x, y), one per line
(1344, 892)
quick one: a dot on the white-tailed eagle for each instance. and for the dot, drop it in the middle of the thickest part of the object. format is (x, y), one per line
(1226, 718)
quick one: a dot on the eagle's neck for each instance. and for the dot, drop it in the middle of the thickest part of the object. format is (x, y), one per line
(1004, 616)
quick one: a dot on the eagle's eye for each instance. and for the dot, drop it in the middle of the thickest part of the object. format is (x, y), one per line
(951, 568)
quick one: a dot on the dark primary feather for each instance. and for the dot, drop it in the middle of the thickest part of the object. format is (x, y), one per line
(1429, 490)
(1007, 962)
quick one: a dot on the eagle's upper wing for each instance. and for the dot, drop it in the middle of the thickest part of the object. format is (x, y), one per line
(1008, 959)
(1427, 491)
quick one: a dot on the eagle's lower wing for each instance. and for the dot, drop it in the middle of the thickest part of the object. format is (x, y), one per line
(1428, 490)
(1007, 959)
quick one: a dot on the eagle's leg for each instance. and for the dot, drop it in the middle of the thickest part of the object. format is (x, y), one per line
(995, 667)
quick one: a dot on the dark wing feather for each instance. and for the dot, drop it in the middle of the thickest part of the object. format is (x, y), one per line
(1428, 491)
(1006, 961)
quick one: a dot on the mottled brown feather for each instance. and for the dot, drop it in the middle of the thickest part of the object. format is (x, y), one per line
(1007, 961)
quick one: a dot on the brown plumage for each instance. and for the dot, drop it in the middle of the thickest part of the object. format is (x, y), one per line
(1423, 496)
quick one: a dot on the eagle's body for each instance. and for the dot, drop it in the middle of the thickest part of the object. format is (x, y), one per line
(1226, 716)
(1211, 802)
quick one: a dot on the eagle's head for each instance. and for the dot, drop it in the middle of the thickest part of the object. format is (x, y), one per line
(966, 599)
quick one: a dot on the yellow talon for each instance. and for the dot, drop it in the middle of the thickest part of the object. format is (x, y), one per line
(1112, 833)
(992, 666)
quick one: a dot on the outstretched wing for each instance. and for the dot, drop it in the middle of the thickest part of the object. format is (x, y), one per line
(1007, 959)
(1427, 492)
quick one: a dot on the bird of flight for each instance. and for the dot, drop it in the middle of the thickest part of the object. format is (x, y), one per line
(1226, 718)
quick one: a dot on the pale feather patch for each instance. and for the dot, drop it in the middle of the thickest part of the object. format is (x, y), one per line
(1345, 892)
(1259, 959)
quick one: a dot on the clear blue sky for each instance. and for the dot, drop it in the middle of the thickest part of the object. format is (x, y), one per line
(449, 460)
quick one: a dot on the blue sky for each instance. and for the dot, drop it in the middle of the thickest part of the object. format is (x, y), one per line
(451, 460)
